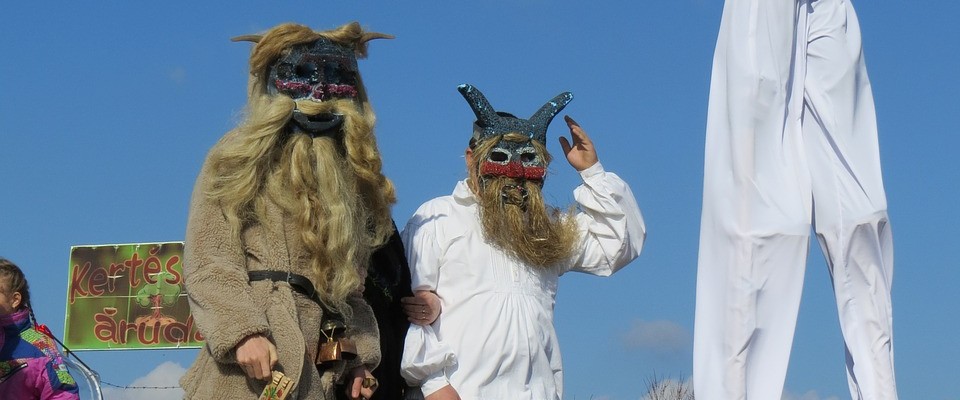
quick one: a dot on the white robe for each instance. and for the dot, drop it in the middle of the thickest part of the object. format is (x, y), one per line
(495, 337)
(791, 140)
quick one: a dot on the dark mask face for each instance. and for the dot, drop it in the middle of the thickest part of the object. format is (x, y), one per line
(322, 70)
(517, 160)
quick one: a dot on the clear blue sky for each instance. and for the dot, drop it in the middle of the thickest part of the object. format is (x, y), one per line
(108, 108)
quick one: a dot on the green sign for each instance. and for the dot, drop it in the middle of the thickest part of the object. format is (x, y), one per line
(128, 296)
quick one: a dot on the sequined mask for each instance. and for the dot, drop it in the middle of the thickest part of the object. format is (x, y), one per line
(318, 71)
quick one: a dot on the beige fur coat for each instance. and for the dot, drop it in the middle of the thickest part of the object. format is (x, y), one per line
(227, 307)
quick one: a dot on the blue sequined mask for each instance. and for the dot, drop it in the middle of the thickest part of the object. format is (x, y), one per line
(512, 159)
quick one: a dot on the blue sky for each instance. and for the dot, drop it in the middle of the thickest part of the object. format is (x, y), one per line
(107, 110)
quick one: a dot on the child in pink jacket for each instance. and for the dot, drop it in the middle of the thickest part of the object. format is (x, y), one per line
(31, 366)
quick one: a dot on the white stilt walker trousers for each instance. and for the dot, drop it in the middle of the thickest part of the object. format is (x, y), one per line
(791, 140)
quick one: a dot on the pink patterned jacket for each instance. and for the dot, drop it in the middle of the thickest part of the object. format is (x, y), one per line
(31, 366)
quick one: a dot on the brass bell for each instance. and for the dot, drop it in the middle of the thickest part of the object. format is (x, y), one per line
(337, 347)
(336, 350)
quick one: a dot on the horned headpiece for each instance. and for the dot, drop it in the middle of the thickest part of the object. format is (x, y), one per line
(491, 123)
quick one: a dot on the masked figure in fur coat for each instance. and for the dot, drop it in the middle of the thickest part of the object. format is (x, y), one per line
(284, 216)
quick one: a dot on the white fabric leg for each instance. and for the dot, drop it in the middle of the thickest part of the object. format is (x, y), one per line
(790, 119)
(840, 136)
(757, 208)
(860, 261)
(746, 317)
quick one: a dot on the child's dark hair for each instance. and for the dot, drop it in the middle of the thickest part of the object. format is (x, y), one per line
(12, 280)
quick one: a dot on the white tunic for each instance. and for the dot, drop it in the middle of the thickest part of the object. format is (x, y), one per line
(495, 338)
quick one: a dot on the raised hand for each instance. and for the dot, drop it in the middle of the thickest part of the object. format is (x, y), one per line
(581, 154)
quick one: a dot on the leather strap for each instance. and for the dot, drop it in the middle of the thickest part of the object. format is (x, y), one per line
(298, 282)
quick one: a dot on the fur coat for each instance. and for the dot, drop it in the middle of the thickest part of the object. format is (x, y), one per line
(227, 307)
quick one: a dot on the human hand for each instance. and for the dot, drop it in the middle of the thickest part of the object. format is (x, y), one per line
(422, 308)
(360, 384)
(257, 355)
(581, 154)
(445, 393)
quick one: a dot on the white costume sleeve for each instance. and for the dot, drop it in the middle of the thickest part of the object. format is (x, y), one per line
(610, 223)
(424, 354)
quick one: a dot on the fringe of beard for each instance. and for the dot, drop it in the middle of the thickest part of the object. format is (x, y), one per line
(535, 233)
(332, 187)
(316, 184)
(362, 157)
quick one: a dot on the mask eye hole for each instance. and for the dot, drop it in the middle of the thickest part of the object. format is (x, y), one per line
(309, 71)
(332, 73)
(528, 157)
(499, 156)
(285, 71)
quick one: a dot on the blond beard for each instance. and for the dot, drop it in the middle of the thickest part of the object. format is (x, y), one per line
(330, 186)
(525, 228)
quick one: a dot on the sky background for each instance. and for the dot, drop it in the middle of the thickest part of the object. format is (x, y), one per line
(107, 110)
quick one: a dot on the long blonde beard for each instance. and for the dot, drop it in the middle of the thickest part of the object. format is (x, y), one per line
(332, 187)
(535, 233)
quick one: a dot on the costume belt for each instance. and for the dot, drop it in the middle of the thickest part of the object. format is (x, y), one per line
(332, 326)
(298, 282)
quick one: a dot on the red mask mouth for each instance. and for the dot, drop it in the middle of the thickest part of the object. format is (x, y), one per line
(515, 170)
